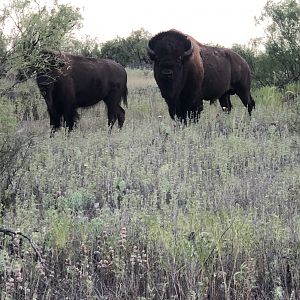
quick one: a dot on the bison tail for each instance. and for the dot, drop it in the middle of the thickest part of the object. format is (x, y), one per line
(124, 96)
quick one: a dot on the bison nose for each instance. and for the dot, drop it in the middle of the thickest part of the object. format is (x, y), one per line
(168, 73)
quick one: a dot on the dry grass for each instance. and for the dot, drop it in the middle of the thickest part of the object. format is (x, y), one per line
(156, 210)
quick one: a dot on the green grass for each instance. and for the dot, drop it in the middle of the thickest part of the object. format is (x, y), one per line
(156, 210)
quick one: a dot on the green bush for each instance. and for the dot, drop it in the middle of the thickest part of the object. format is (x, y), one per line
(8, 119)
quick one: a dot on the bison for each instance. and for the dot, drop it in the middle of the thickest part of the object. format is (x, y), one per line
(71, 81)
(188, 72)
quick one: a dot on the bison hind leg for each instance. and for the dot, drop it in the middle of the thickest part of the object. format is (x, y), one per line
(121, 116)
(111, 112)
(114, 110)
(251, 104)
(225, 103)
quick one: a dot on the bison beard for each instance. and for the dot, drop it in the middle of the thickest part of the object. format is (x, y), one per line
(188, 72)
(74, 81)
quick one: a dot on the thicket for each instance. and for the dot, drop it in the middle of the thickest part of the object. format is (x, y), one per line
(279, 63)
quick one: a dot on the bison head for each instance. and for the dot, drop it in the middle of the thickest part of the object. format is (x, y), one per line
(169, 50)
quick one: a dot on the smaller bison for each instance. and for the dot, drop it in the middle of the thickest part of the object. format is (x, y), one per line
(71, 81)
(188, 72)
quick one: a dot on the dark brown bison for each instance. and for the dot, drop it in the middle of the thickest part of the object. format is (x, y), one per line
(188, 72)
(74, 81)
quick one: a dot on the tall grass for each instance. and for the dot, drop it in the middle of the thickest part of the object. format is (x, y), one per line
(157, 210)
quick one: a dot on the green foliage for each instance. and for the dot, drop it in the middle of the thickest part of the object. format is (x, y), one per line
(131, 51)
(249, 54)
(8, 120)
(282, 40)
(279, 63)
(61, 230)
(35, 28)
(259, 62)
(136, 45)
(3, 47)
(115, 50)
(89, 47)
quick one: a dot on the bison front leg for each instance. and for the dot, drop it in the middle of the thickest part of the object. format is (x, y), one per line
(195, 111)
(70, 117)
(247, 99)
(178, 115)
(55, 122)
(172, 111)
(54, 113)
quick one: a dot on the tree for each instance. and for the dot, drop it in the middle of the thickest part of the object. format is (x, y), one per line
(130, 51)
(89, 47)
(248, 53)
(136, 45)
(3, 48)
(282, 40)
(259, 63)
(26, 30)
(31, 28)
(114, 49)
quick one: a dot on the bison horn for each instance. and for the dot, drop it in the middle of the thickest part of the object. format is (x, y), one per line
(189, 52)
(150, 51)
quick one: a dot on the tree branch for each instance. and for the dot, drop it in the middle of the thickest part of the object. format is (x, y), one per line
(37, 252)
(12, 233)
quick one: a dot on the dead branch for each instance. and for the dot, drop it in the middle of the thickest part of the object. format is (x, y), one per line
(13, 234)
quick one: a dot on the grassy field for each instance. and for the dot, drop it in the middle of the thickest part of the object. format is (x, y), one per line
(155, 210)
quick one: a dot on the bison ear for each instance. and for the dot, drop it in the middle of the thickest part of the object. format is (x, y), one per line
(188, 48)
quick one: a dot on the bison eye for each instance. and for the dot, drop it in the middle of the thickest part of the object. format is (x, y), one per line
(179, 59)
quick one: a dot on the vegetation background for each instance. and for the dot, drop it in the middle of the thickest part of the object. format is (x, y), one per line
(157, 210)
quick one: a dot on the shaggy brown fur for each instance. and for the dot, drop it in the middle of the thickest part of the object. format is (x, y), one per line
(188, 72)
(76, 81)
